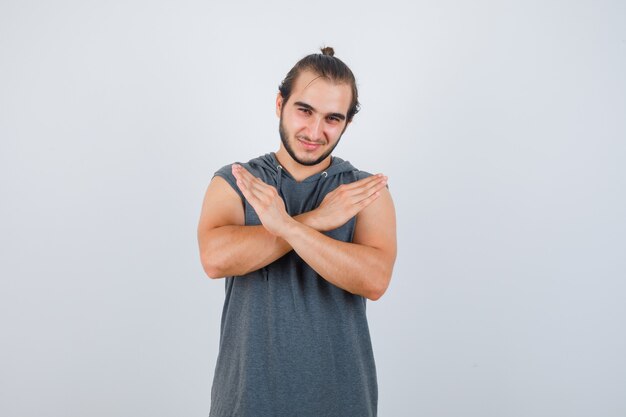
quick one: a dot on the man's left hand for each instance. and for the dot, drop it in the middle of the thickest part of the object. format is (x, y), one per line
(264, 198)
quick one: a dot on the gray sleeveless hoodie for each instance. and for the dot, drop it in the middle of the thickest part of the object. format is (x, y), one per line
(292, 344)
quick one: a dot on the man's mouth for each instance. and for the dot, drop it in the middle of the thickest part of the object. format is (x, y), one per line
(309, 145)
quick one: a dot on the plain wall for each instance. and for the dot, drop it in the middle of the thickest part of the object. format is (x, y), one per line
(501, 126)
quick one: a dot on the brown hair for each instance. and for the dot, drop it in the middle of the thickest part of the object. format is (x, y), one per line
(325, 65)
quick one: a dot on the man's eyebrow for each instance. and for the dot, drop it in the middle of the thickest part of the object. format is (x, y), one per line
(308, 106)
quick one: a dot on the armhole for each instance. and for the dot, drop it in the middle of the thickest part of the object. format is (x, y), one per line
(232, 182)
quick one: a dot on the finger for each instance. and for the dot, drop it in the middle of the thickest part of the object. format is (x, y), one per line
(258, 193)
(367, 201)
(245, 182)
(370, 189)
(242, 179)
(372, 179)
(364, 194)
(261, 190)
(245, 179)
(240, 172)
(374, 183)
(242, 183)
(367, 189)
(251, 181)
(363, 181)
(246, 193)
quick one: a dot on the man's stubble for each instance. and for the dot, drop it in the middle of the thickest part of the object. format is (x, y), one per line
(285, 140)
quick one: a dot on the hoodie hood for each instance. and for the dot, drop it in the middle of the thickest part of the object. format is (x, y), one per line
(300, 196)
(270, 163)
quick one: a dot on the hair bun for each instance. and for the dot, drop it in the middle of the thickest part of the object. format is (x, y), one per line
(327, 50)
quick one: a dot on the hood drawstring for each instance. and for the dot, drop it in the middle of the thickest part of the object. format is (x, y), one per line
(279, 180)
(279, 177)
(323, 175)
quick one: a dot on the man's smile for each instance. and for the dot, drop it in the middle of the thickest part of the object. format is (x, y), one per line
(308, 144)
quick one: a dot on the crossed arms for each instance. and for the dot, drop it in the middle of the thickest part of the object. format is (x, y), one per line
(363, 266)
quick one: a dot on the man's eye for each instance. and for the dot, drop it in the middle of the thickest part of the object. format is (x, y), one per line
(307, 111)
(333, 119)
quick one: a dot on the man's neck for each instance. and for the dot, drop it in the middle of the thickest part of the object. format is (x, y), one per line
(298, 171)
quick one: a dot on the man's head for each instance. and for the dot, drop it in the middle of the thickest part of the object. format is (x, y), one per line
(316, 102)
(327, 66)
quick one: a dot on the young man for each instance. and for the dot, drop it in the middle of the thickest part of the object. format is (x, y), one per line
(303, 239)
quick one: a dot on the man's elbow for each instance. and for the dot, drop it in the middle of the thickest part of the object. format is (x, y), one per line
(378, 288)
(375, 294)
(212, 267)
(213, 273)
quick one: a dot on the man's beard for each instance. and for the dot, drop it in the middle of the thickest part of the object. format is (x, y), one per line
(285, 140)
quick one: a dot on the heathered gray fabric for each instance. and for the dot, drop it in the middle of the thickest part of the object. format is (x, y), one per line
(292, 344)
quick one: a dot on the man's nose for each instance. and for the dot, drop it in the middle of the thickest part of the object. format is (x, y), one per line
(317, 128)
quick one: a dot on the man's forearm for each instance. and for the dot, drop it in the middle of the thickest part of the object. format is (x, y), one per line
(237, 250)
(356, 268)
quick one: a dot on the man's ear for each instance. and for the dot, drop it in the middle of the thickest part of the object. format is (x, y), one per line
(279, 104)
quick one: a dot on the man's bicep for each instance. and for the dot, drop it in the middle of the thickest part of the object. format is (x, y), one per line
(376, 226)
(222, 206)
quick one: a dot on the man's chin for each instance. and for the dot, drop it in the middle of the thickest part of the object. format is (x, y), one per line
(309, 162)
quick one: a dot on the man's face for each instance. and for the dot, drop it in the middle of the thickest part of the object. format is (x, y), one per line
(314, 117)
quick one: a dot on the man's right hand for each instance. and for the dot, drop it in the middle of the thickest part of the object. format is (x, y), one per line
(346, 201)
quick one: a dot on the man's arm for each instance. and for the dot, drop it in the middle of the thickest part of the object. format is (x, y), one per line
(228, 248)
(362, 267)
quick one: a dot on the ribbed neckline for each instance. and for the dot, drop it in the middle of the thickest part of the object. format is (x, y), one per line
(312, 178)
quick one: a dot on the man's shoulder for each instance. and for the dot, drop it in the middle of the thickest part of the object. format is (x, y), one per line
(261, 167)
(361, 174)
(257, 164)
(348, 172)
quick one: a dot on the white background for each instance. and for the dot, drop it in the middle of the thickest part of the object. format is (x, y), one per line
(501, 126)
